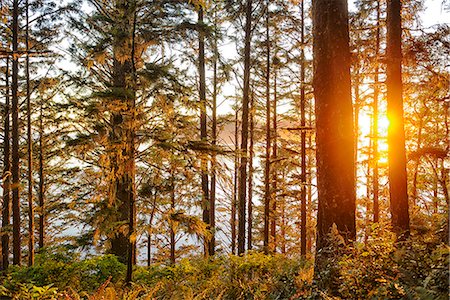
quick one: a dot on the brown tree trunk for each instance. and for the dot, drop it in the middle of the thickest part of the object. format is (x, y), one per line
(396, 134)
(212, 196)
(334, 128)
(268, 139)
(41, 194)
(250, 173)
(15, 168)
(203, 127)
(242, 186)
(273, 219)
(29, 150)
(375, 186)
(6, 206)
(122, 136)
(235, 182)
(303, 137)
(172, 231)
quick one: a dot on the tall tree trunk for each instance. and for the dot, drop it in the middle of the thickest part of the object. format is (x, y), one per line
(6, 207)
(235, 182)
(242, 186)
(29, 149)
(396, 135)
(122, 135)
(203, 127)
(273, 220)
(375, 186)
(212, 196)
(303, 136)
(268, 138)
(334, 128)
(250, 173)
(172, 230)
(15, 169)
(41, 194)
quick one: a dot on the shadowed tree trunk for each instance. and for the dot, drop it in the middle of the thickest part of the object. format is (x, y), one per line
(6, 206)
(375, 185)
(242, 186)
(15, 168)
(29, 148)
(268, 139)
(250, 173)
(122, 134)
(334, 126)
(396, 135)
(303, 136)
(41, 193)
(203, 128)
(273, 215)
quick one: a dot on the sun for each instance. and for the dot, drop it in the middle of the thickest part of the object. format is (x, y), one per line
(366, 135)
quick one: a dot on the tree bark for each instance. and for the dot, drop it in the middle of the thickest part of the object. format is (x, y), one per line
(303, 136)
(6, 206)
(396, 135)
(29, 149)
(273, 219)
(250, 174)
(268, 139)
(122, 135)
(334, 128)
(242, 186)
(375, 186)
(15, 168)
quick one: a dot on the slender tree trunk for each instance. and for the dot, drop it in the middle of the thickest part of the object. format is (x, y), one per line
(235, 182)
(149, 233)
(172, 231)
(268, 138)
(6, 207)
(250, 174)
(212, 199)
(375, 186)
(242, 186)
(273, 221)
(303, 137)
(15, 169)
(203, 128)
(29, 149)
(334, 131)
(396, 135)
(41, 194)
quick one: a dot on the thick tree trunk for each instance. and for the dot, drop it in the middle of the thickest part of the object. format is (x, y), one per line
(29, 150)
(334, 130)
(15, 168)
(268, 139)
(396, 134)
(242, 186)
(6, 206)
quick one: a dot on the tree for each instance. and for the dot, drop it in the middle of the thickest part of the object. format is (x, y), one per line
(17, 253)
(242, 185)
(334, 125)
(396, 136)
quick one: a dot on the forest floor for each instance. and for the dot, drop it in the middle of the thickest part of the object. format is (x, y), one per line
(375, 269)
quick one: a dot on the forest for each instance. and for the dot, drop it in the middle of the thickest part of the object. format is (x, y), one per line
(224, 149)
